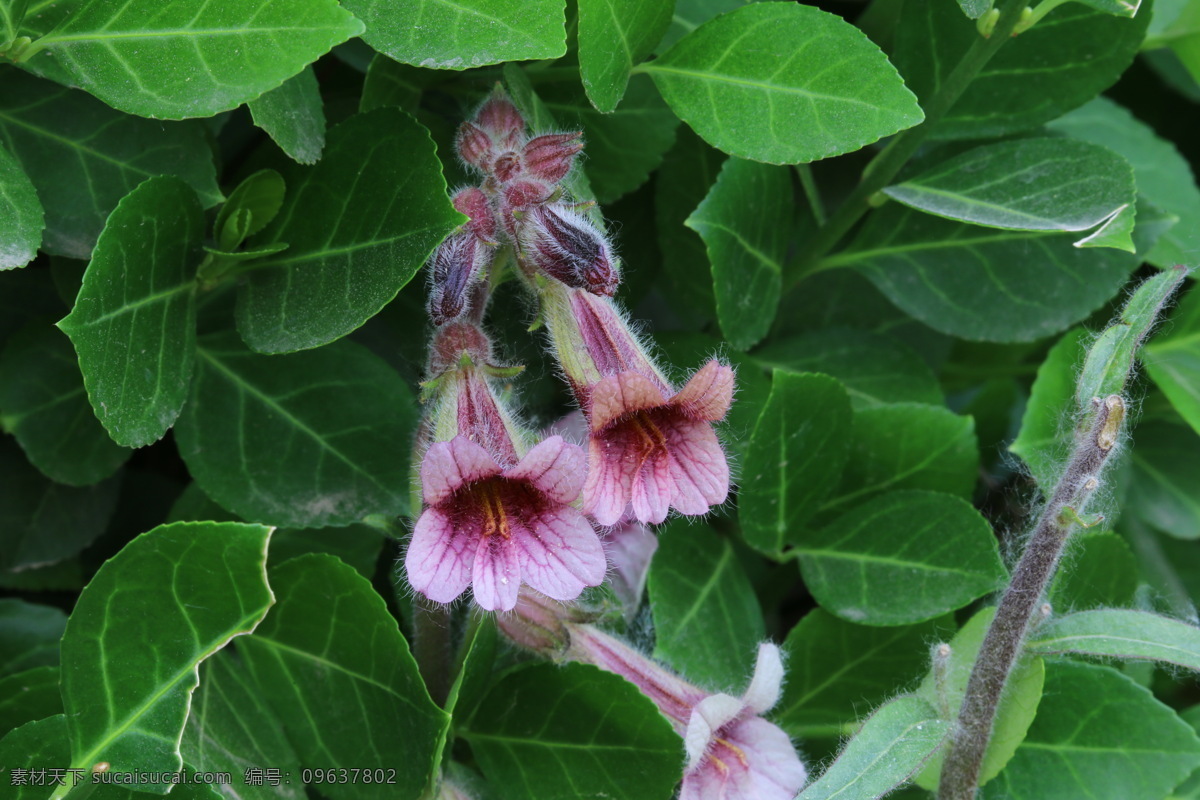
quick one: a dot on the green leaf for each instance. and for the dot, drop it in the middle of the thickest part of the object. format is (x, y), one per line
(837, 670)
(293, 116)
(746, 81)
(22, 219)
(691, 14)
(983, 284)
(548, 731)
(1110, 358)
(1117, 232)
(688, 171)
(1120, 8)
(1101, 571)
(230, 728)
(188, 59)
(133, 645)
(974, 9)
(1163, 175)
(331, 662)
(1121, 633)
(359, 225)
(41, 742)
(1038, 184)
(83, 157)
(707, 620)
(442, 34)
(29, 635)
(945, 686)
(1045, 426)
(1099, 735)
(1047, 70)
(260, 196)
(134, 321)
(1172, 359)
(795, 457)
(908, 446)
(477, 656)
(876, 370)
(43, 404)
(28, 696)
(614, 36)
(1165, 491)
(889, 748)
(745, 222)
(307, 440)
(42, 522)
(901, 558)
(357, 545)
(389, 83)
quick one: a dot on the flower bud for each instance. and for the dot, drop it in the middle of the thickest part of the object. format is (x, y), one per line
(501, 121)
(455, 266)
(474, 203)
(474, 146)
(453, 341)
(549, 157)
(565, 246)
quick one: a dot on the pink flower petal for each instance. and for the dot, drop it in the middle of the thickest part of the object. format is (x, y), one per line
(653, 487)
(496, 574)
(698, 466)
(448, 466)
(439, 558)
(708, 716)
(620, 394)
(554, 467)
(560, 553)
(606, 489)
(708, 394)
(629, 548)
(776, 772)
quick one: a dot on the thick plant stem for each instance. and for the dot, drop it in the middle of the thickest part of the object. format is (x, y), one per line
(884, 167)
(432, 647)
(1004, 640)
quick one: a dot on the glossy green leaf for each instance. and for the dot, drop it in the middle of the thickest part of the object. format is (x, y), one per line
(332, 664)
(890, 747)
(28, 696)
(133, 645)
(306, 440)
(43, 404)
(83, 157)
(614, 36)
(134, 322)
(439, 34)
(230, 728)
(258, 199)
(29, 635)
(974, 9)
(876, 370)
(691, 14)
(688, 171)
(1165, 490)
(1163, 175)
(908, 446)
(43, 522)
(293, 115)
(381, 203)
(188, 59)
(1045, 71)
(1045, 426)
(548, 731)
(795, 457)
(1101, 570)
(745, 222)
(1116, 232)
(1038, 184)
(837, 671)
(945, 688)
(1100, 735)
(901, 558)
(808, 71)
(707, 621)
(21, 217)
(983, 284)
(1172, 359)
(1121, 633)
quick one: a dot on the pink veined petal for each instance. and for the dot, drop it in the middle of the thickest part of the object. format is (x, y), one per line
(698, 466)
(709, 715)
(560, 553)
(554, 467)
(438, 561)
(496, 573)
(776, 772)
(606, 489)
(708, 394)
(652, 488)
(448, 466)
(619, 394)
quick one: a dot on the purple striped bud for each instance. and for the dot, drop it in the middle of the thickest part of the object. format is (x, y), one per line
(455, 267)
(549, 157)
(564, 245)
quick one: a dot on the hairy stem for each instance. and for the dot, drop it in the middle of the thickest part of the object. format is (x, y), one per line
(885, 166)
(432, 647)
(1003, 643)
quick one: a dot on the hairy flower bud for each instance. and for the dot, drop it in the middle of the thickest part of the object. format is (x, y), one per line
(455, 266)
(564, 245)
(549, 157)
(474, 203)
(501, 121)
(474, 146)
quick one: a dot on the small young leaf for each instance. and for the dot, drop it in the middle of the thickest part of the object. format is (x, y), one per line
(707, 620)
(1166, 474)
(331, 662)
(890, 747)
(1172, 359)
(1121, 633)
(134, 322)
(745, 222)
(901, 558)
(293, 116)
(29, 635)
(261, 195)
(28, 696)
(544, 727)
(807, 70)
(1044, 434)
(614, 36)
(21, 215)
(167, 601)
(794, 459)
